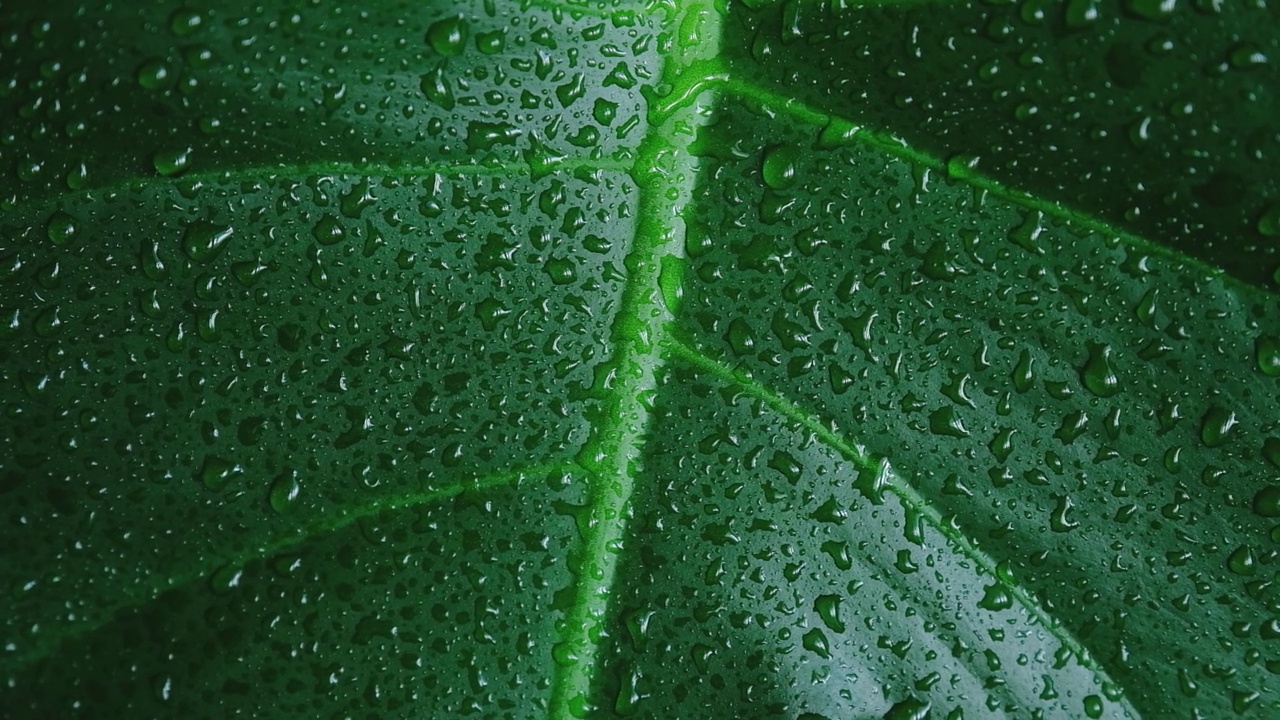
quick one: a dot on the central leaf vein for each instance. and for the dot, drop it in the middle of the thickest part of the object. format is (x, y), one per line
(665, 175)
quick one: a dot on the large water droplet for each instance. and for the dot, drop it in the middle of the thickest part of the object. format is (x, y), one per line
(1098, 375)
(779, 166)
(448, 37)
(203, 241)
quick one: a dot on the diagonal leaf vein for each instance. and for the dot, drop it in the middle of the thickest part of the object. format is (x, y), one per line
(291, 539)
(911, 498)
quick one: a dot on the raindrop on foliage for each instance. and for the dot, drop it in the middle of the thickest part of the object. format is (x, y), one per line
(171, 162)
(1217, 427)
(1267, 350)
(204, 241)
(61, 228)
(154, 74)
(1269, 222)
(1098, 375)
(448, 37)
(779, 166)
(1267, 502)
(184, 22)
(284, 492)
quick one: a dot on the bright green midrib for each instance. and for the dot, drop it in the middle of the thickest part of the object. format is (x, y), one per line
(299, 171)
(665, 174)
(896, 147)
(612, 449)
(293, 538)
(907, 495)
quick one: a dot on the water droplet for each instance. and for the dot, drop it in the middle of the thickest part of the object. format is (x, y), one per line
(1269, 222)
(448, 37)
(184, 22)
(437, 89)
(1060, 519)
(284, 492)
(829, 608)
(1267, 350)
(944, 421)
(604, 111)
(1217, 426)
(1002, 444)
(1245, 56)
(1267, 502)
(1151, 9)
(149, 258)
(333, 95)
(996, 598)
(251, 429)
(328, 231)
(154, 74)
(1024, 372)
(205, 241)
(1081, 13)
(740, 336)
(815, 641)
(1242, 562)
(1097, 374)
(778, 167)
(172, 161)
(486, 135)
(561, 271)
(216, 472)
(48, 322)
(61, 228)
(225, 579)
(909, 709)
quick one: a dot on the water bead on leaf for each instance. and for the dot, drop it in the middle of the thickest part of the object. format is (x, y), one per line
(448, 37)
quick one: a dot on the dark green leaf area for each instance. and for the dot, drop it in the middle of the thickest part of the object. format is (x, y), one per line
(645, 358)
(771, 585)
(1157, 117)
(1092, 415)
(223, 365)
(389, 617)
(103, 93)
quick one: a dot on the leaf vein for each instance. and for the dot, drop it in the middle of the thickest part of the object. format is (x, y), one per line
(896, 147)
(828, 433)
(294, 538)
(286, 171)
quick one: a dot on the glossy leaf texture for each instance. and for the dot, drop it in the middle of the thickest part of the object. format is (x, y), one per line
(668, 359)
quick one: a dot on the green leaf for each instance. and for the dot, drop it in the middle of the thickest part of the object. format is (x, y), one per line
(672, 359)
